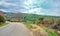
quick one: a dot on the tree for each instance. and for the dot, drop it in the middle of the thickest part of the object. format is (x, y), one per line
(57, 26)
(2, 19)
(58, 23)
(40, 20)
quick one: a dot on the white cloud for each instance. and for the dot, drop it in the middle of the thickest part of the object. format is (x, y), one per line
(9, 7)
(28, 2)
(7, 4)
(3, 10)
(49, 7)
(40, 11)
(35, 11)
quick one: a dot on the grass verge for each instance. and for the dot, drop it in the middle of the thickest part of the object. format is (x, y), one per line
(3, 24)
(50, 31)
(28, 25)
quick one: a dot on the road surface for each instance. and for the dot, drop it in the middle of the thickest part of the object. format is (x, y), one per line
(15, 29)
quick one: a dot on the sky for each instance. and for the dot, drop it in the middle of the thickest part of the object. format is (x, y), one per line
(41, 7)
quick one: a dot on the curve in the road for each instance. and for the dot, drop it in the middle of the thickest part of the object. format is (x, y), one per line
(15, 29)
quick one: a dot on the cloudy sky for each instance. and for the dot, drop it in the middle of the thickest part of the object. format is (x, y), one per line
(41, 7)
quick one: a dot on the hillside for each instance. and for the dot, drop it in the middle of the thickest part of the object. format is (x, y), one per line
(26, 16)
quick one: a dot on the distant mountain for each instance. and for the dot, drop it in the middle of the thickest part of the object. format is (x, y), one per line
(11, 13)
(26, 16)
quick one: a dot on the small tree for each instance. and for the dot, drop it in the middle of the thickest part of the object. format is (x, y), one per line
(58, 23)
(2, 19)
(40, 20)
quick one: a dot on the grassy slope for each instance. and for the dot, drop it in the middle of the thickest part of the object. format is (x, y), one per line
(50, 33)
(3, 24)
(28, 25)
(34, 17)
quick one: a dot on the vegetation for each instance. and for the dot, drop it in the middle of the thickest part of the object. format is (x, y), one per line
(2, 20)
(51, 32)
(33, 17)
(28, 25)
(48, 21)
(3, 24)
(58, 23)
(39, 20)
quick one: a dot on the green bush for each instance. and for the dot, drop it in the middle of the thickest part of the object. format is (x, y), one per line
(2, 19)
(58, 23)
(39, 20)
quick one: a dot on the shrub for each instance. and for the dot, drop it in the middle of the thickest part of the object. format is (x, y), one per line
(58, 23)
(2, 19)
(39, 20)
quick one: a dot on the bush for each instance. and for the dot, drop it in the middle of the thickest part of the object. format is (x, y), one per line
(58, 23)
(39, 20)
(2, 19)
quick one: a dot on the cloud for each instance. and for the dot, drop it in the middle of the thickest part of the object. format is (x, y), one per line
(3, 10)
(7, 3)
(12, 6)
(43, 7)
(35, 11)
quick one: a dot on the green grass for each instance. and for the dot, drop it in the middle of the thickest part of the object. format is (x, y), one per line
(28, 25)
(50, 33)
(3, 24)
